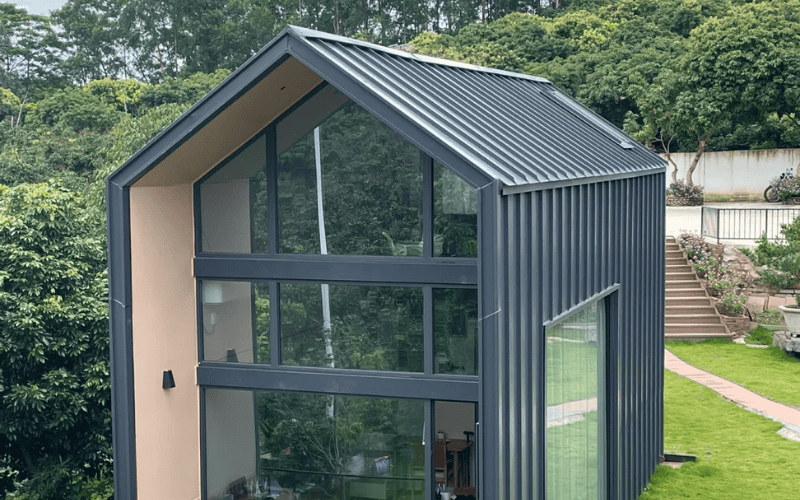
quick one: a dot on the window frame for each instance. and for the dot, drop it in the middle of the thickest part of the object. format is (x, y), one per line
(427, 272)
(607, 470)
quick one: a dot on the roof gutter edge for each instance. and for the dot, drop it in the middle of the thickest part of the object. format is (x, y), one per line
(541, 186)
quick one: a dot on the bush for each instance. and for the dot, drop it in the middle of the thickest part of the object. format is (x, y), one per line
(682, 190)
(732, 304)
(759, 335)
(779, 263)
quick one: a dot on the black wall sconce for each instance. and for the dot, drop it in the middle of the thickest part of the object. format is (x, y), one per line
(232, 357)
(168, 381)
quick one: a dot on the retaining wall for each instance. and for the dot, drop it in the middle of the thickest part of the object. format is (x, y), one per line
(729, 172)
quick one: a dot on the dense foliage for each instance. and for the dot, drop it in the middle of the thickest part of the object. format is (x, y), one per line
(779, 262)
(82, 90)
(54, 366)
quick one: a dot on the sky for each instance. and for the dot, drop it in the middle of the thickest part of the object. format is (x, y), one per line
(39, 7)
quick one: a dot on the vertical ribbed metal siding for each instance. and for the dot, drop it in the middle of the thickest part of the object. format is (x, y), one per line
(557, 248)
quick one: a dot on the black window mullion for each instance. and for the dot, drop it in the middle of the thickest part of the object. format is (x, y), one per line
(274, 323)
(427, 325)
(427, 205)
(338, 382)
(338, 268)
(272, 189)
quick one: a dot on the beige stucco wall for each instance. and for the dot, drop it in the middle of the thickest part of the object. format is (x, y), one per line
(164, 317)
(164, 338)
(728, 172)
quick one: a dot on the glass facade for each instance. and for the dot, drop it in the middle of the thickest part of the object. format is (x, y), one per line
(368, 199)
(233, 203)
(235, 321)
(294, 445)
(353, 327)
(455, 326)
(455, 212)
(575, 374)
(311, 432)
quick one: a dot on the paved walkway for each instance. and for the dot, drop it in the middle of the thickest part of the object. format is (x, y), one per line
(749, 400)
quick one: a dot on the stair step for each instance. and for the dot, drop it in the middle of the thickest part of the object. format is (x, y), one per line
(690, 310)
(696, 336)
(672, 284)
(679, 268)
(683, 275)
(672, 293)
(699, 301)
(672, 247)
(695, 319)
(676, 261)
(694, 327)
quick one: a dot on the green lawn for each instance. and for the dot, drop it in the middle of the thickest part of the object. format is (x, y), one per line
(769, 372)
(740, 455)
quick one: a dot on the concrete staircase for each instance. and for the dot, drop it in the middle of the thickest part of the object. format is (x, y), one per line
(689, 313)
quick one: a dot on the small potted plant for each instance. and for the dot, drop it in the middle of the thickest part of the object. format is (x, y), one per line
(792, 317)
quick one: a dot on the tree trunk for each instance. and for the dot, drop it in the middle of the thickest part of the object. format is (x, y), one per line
(674, 168)
(701, 147)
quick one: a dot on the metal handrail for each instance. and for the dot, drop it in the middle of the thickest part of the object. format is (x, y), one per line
(745, 223)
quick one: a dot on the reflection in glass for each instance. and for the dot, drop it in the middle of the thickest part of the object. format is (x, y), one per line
(454, 458)
(575, 406)
(455, 326)
(372, 328)
(235, 321)
(233, 204)
(455, 215)
(371, 186)
(294, 445)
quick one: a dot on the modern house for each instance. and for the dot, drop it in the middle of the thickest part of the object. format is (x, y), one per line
(351, 272)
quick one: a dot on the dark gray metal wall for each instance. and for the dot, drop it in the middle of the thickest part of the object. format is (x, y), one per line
(557, 248)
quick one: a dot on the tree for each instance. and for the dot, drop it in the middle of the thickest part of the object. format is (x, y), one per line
(54, 366)
(92, 37)
(29, 51)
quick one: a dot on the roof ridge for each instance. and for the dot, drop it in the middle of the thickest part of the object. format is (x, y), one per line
(306, 33)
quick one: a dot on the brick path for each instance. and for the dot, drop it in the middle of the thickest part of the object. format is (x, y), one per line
(787, 415)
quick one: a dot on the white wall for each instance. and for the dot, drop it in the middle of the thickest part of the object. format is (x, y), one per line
(736, 171)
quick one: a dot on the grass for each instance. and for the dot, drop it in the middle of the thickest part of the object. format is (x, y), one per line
(769, 372)
(740, 456)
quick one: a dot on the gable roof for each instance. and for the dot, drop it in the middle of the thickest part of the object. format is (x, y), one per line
(487, 124)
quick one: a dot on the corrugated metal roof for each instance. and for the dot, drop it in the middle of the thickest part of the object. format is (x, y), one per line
(516, 128)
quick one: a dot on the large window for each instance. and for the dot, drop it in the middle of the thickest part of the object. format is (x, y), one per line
(576, 405)
(337, 314)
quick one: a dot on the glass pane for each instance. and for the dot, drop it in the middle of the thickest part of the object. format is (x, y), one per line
(454, 457)
(236, 321)
(233, 204)
(366, 328)
(292, 445)
(371, 187)
(575, 405)
(455, 326)
(455, 209)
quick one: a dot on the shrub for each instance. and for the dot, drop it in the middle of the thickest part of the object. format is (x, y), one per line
(759, 335)
(779, 262)
(732, 304)
(685, 191)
